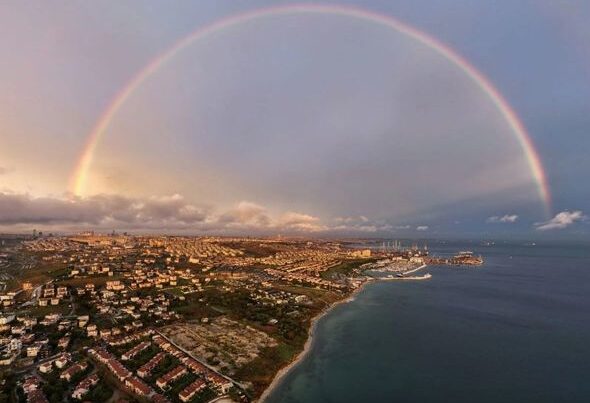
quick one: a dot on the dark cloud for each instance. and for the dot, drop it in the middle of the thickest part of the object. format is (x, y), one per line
(99, 210)
(153, 213)
(167, 213)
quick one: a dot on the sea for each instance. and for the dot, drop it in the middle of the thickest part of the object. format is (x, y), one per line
(516, 329)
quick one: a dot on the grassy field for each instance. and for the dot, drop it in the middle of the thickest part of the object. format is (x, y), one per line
(39, 311)
(315, 294)
(345, 268)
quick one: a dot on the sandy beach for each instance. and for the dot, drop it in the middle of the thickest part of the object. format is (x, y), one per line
(308, 343)
(306, 348)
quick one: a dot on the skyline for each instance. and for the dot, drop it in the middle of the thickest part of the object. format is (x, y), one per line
(279, 125)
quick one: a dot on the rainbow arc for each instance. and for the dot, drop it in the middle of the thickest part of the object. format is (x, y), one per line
(79, 178)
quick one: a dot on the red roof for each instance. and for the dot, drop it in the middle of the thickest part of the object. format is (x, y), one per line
(138, 386)
(191, 389)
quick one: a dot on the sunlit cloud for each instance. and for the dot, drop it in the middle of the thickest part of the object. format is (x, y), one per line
(162, 213)
(422, 228)
(561, 220)
(506, 218)
(299, 221)
(246, 213)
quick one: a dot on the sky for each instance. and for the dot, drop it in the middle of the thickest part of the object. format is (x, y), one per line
(302, 123)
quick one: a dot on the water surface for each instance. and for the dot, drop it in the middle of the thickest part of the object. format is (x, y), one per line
(516, 329)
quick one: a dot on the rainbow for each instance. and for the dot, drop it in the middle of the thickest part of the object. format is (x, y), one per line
(79, 177)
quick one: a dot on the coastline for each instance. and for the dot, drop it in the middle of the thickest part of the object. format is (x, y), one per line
(308, 343)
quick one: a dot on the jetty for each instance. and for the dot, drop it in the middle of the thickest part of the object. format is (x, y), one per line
(413, 270)
(424, 277)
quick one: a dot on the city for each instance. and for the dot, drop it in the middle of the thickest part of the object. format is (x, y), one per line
(327, 201)
(166, 318)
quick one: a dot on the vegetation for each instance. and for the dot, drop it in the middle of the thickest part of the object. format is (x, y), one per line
(54, 388)
(204, 396)
(262, 370)
(142, 358)
(168, 363)
(7, 385)
(344, 269)
(100, 393)
(39, 311)
(179, 385)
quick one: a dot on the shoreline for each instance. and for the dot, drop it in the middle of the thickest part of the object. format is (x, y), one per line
(308, 343)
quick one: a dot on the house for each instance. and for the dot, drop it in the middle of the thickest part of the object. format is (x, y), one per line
(101, 355)
(91, 330)
(33, 350)
(105, 332)
(158, 398)
(191, 390)
(138, 386)
(146, 369)
(7, 359)
(135, 350)
(69, 373)
(61, 361)
(46, 367)
(84, 386)
(171, 376)
(6, 319)
(120, 372)
(220, 382)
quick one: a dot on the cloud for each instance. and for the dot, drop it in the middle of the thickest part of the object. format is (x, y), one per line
(153, 213)
(360, 224)
(352, 220)
(561, 220)
(422, 228)
(5, 171)
(101, 210)
(246, 213)
(298, 221)
(506, 218)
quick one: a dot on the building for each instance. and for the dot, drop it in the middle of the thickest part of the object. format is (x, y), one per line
(135, 350)
(191, 390)
(69, 373)
(84, 386)
(138, 386)
(171, 376)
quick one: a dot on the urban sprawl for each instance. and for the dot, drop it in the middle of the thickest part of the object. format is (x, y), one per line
(169, 319)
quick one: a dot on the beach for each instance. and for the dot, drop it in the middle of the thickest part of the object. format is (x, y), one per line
(280, 375)
(466, 334)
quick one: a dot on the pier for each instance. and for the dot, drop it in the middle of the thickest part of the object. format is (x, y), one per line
(424, 277)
